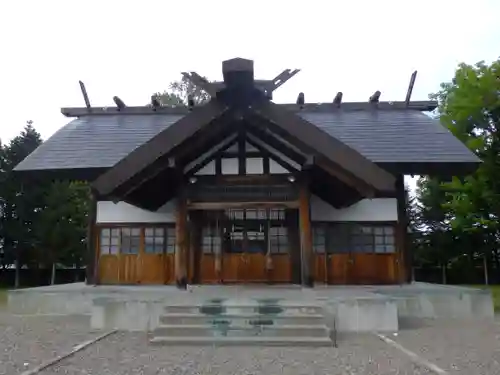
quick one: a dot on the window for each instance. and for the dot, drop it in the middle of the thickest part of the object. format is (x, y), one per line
(109, 241)
(233, 238)
(235, 214)
(256, 214)
(154, 240)
(171, 239)
(130, 240)
(319, 239)
(353, 237)
(384, 239)
(277, 214)
(278, 240)
(340, 238)
(210, 240)
(373, 239)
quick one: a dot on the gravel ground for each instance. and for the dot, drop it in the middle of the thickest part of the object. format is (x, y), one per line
(469, 347)
(33, 340)
(129, 353)
(465, 347)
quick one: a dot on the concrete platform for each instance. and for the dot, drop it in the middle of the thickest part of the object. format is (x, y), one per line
(347, 308)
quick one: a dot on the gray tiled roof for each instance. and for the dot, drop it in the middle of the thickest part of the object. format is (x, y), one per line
(393, 136)
(96, 141)
(383, 136)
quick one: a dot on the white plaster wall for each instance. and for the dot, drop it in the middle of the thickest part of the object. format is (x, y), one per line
(229, 166)
(377, 209)
(208, 169)
(255, 165)
(121, 212)
(275, 168)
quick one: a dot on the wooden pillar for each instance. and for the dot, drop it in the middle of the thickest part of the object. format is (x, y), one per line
(194, 247)
(181, 243)
(91, 269)
(292, 223)
(305, 230)
(403, 256)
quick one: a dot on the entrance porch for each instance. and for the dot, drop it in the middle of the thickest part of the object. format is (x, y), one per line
(261, 243)
(363, 308)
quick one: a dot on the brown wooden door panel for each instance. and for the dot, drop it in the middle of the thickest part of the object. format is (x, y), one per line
(155, 268)
(108, 269)
(372, 269)
(331, 269)
(207, 269)
(386, 268)
(338, 269)
(232, 268)
(254, 268)
(319, 268)
(169, 268)
(129, 268)
(281, 270)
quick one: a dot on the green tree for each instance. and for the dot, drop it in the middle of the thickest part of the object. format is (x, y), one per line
(469, 106)
(61, 226)
(178, 93)
(20, 203)
(471, 110)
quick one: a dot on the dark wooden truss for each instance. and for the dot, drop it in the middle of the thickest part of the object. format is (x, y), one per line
(241, 105)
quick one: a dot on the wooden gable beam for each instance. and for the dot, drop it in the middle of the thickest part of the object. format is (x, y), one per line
(259, 128)
(180, 156)
(282, 78)
(289, 165)
(410, 88)
(197, 164)
(327, 146)
(273, 153)
(157, 147)
(288, 146)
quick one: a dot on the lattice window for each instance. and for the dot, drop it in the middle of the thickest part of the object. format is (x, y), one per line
(278, 240)
(210, 240)
(319, 239)
(109, 241)
(369, 238)
(154, 240)
(130, 240)
(171, 240)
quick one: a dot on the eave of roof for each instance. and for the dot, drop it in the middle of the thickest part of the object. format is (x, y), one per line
(389, 134)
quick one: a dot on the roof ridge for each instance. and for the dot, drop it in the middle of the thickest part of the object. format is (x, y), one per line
(308, 107)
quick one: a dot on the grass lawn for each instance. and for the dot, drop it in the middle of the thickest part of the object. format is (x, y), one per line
(495, 292)
(3, 297)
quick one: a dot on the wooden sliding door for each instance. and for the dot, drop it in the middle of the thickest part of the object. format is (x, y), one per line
(136, 254)
(157, 259)
(250, 245)
(355, 253)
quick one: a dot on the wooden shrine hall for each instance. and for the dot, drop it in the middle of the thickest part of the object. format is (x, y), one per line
(242, 190)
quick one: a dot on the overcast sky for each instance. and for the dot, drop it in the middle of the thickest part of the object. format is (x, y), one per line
(134, 48)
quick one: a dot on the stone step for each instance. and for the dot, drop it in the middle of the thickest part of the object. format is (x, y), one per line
(240, 319)
(242, 341)
(208, 330)
(249, 308)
